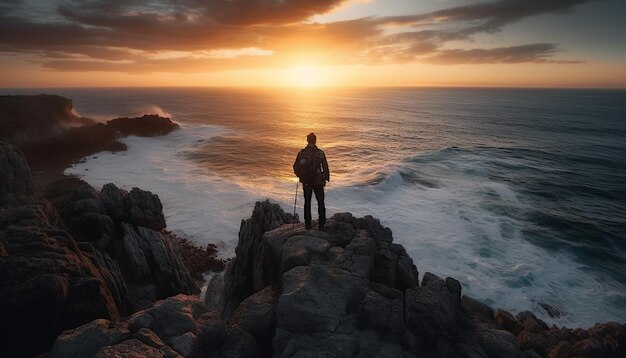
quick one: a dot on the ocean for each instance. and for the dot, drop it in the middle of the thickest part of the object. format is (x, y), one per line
(520, 194)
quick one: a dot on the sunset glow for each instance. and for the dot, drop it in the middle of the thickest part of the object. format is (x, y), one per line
(307, 76)
(313, 43)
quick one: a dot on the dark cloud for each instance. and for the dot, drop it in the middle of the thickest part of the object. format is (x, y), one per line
(118, 35)
(533, 53)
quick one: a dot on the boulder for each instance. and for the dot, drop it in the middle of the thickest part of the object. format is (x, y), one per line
(114, 201)
(145, 209)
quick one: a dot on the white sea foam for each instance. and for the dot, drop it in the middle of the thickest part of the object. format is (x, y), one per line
(444, 225)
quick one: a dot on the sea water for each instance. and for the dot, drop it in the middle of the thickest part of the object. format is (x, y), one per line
(520, 194)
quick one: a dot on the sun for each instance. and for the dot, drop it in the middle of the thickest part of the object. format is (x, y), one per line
(307, 76)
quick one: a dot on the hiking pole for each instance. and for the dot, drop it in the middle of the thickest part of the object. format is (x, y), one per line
(294, 205)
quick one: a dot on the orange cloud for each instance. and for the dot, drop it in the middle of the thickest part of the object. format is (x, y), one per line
(187, 35)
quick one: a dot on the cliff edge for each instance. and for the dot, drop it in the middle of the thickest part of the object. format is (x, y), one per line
(348, 291)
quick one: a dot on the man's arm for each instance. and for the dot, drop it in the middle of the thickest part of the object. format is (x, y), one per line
(325, 167)
(295, 163)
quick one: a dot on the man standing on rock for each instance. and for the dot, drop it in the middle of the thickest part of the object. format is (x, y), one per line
(312, 169)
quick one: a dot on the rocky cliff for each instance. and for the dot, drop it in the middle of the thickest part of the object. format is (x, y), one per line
(348, 291)
(84, 255)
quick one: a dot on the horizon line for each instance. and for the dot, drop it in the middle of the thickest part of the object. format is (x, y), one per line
(314, 88)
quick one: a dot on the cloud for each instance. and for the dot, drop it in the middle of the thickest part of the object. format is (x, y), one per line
(533, 53)
(135, 36)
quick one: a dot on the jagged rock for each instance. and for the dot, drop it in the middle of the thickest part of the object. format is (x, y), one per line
(320, 299)
(86, 216)
(252, 274)
(16, 184)
(145, 126)
(145, 209)
(322, 281)
(137, 261)
(151, 261)
(167, 264)
(114, 200)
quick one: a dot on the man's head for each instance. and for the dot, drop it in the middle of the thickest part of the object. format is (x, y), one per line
(311, 138)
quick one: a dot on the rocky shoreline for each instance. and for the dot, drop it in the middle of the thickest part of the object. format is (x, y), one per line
(95, 273)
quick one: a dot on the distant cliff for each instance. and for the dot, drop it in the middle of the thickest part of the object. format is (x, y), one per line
(52, 137)
(25, 117)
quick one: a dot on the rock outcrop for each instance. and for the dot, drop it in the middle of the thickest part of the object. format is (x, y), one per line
(144, 126)
(88, 256)
(349, 291)
(25, 117)
(128, 227)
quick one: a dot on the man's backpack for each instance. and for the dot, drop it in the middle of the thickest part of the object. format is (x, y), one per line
(308, 166)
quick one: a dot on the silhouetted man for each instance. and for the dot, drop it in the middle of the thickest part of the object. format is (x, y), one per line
(312, 169)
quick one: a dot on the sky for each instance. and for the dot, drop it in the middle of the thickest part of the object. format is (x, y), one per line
(143, 43)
